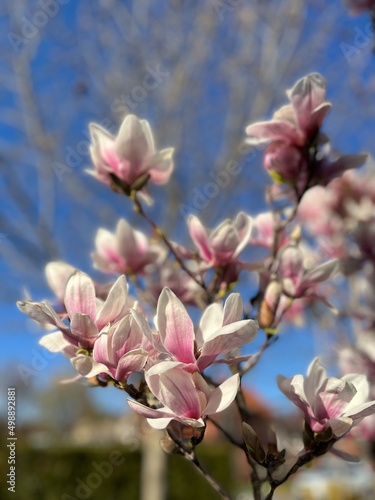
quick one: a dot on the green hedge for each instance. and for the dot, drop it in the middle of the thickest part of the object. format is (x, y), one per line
(55, 474)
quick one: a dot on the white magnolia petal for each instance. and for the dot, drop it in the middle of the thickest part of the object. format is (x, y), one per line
(221, 397)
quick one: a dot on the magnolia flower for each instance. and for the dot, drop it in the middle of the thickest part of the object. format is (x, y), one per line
(295, 123)
(128, 251)
(296, 280)
(120, 348)
(222, 245)
(293, 133)
(329, 402)
(263, 232)
(129, 160)
(220, 331)
(185, 397)
(87, 314)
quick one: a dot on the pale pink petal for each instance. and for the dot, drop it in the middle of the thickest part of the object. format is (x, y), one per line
(57, 274)
(293, 389)
(340, 426)
(274, 130)
(42, 313)
(133, 361)
(211, 321)
(83, 329)
(361, 384)
(243, 224)
(147, 412)
(199, 235)
(132, 144)
(233, 309)
(175, 327)
(86, 366)
(321, 273)
(160, 166)
(221, 397)
(54, 342)
(116, 305)
(100, 351)
(316, 376)
(80, 295)
(306, 95)
(361, 411)
(225, 339)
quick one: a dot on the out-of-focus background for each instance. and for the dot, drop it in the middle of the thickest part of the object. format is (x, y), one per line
(199, 72)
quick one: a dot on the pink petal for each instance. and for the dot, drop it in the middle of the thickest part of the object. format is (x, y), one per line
(83, 329)
(233, 309)
(226, 339)
(175, 327)
(132, 361)
(274, 131)
(221, 397)
(42, 313)
(211, 321)
(132, 144)
(243, 224)
(115, 306)
(151, 413)
(80, 295)
(199, 235)
(100, 351)
(316, 376)
(54, 342)
(86, 366)
(306, 95)
(176, 390)
(160, 166)
(57, 274)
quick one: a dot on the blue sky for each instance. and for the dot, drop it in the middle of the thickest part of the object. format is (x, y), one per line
(349, 70)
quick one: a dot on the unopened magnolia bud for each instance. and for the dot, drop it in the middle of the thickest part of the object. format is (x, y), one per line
(269, 304)
(253, 444)
(296, 234)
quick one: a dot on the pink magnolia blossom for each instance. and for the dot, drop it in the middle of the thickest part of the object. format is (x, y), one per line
(220, 331)
(329, 402)
(297, 281)
(87, 314)
(128, 251)
(264, 230)
(130, 158)
(295, 123)
(120, 348)
(185, 397)
(293, 135)
(222, 245)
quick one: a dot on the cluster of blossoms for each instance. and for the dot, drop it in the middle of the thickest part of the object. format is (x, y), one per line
(168, 366)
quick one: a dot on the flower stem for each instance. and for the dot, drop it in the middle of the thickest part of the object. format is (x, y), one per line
(139, 209)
